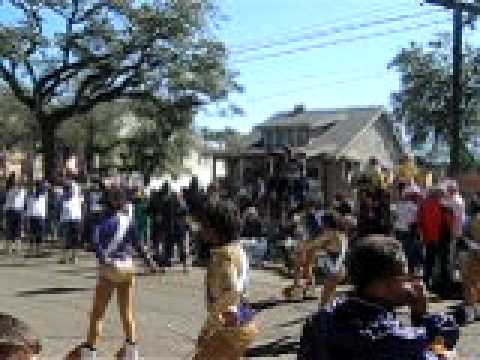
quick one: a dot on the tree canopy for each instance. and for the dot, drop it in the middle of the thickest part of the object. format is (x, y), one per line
(424, 100)
(61, 58)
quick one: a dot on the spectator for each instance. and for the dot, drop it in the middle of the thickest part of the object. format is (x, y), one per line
(14, 208)
(71, 220)
(141, 217)
(17, 340)
(37, 216)
(406, 228)
(364, 325)
(470, 271)
(158, 199)
(429, 219)
(176, 230)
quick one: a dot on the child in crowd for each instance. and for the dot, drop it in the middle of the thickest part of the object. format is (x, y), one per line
(14, 209)
(37, 216)
(115, 237)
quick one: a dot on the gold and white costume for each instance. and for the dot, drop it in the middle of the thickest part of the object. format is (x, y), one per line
(226, 281)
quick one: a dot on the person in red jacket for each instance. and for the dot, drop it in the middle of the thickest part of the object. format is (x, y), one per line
(429, 219)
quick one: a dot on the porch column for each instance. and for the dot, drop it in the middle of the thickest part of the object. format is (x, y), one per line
(303, 161)
(214, 170)
(241, 170)
(270, 165)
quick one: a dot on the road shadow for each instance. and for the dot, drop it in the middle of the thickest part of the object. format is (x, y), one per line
(263, 305)
(282, 346)
(76, 271)
(294, 322)
(52, 291)
(16, 265)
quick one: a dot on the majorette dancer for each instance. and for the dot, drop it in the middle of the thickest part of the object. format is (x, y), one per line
(114, 238)
(230, 327)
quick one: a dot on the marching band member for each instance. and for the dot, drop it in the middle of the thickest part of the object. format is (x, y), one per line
(114, 238)
(229, 328)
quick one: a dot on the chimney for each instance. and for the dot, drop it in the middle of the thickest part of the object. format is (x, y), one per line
(299, 109)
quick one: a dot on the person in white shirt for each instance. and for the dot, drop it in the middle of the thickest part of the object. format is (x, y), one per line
(70, 220)
(14, 208)
(37, 217)
(454, 201)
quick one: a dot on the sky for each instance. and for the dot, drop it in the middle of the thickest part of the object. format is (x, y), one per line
(319, 53)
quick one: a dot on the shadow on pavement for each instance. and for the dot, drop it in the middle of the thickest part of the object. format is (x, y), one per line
(282, 346)
(297, 321)
(17, 265)
(51, 291)
(76, 271)
(263, 305)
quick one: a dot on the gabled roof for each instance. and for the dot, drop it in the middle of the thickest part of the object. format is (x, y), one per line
(318, 118)
(337, 139)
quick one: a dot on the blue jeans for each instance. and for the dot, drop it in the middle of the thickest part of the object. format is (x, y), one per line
(412, 247)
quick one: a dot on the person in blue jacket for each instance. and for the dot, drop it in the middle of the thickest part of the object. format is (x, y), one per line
(364, 325)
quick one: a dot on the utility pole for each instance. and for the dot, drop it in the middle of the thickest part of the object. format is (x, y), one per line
(459, 8)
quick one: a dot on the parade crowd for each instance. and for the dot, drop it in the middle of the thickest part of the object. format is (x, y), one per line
(391, 237)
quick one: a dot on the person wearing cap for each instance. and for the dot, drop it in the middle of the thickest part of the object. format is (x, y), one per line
(364, 324)
(17, 340)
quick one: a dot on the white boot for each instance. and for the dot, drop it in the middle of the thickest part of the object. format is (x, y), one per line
(128, 352)
(88, 354)
(131, 352)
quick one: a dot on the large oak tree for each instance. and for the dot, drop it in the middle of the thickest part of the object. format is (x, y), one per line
(61, 58)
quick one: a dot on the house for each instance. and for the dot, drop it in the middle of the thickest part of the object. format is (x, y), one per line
(333, 144)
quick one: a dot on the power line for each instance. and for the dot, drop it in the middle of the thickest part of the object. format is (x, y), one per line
(332, 31)
(338, 31)
(338, 42)
(316, 85)
(365, 12)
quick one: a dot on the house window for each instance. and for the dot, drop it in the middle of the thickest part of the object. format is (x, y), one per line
(267, 137)
(302, 137)
(292, 137)
(312, 172)
(282, 137)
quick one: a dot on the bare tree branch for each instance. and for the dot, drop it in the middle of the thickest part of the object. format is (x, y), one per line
(17, 89)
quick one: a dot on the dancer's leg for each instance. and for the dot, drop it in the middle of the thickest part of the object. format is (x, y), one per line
(125, 303)
(103, 294)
